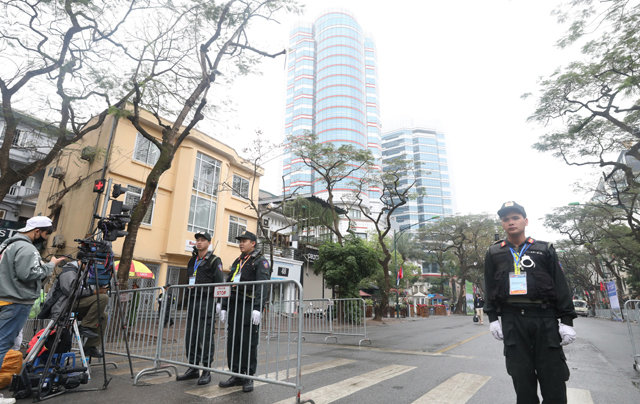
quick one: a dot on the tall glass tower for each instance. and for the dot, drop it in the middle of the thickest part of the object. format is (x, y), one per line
(332, 92)
(426, 152)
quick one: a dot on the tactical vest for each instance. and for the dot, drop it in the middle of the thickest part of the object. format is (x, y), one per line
(540, 284)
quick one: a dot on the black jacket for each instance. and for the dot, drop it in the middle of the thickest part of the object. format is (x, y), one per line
(209, 270)
(256, 268)
(545, 279)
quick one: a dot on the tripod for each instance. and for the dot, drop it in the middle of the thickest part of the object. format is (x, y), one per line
(57, 376)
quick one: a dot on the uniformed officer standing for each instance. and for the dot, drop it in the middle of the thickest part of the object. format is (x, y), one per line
(204, 267)
(245, 307)
(526, 287)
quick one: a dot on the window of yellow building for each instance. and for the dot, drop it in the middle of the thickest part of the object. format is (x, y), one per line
(202, 210)
(145, 151)
(237, 226)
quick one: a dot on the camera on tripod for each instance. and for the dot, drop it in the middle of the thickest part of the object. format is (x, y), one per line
(113, 226)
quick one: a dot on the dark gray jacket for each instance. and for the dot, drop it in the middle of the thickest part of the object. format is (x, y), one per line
(22, 271)
(59, 294)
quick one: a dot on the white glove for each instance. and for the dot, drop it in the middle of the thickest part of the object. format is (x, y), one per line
(223, 316)
(567, 333)
(496, 330)
(218, 308)
(255, 317)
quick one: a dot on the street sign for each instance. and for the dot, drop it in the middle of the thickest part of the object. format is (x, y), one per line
(222, 291)
(8, 229)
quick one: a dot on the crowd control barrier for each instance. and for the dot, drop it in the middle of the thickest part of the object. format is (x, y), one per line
(632, 314)
(329, 317)
(186, 329)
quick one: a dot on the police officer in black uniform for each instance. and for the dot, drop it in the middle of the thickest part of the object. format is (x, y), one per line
(203, 267)
(245, 307)
(526, 287)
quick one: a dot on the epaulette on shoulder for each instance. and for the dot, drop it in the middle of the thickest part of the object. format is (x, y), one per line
(501, 242)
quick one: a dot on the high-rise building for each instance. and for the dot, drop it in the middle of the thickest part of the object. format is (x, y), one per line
(425, 150)
(332, 92)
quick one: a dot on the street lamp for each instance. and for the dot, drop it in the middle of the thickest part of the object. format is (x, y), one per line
(395, 257)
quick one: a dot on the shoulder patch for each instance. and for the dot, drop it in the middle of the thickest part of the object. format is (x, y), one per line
(530, 240)
(265, 264)
(504, 243)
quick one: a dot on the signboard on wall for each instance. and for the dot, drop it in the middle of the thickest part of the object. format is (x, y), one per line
(8, 229)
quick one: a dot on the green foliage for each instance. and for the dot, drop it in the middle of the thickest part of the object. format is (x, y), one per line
(344, 266)
(595, 102)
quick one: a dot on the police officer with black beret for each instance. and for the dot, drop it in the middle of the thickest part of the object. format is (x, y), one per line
(526, 287)
(204, 267)
(245, 306)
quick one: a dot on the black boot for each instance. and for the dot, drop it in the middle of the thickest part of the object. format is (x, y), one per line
(191, 373)
(230, 382)
(205, 378)
(92, 351)
(247, 386)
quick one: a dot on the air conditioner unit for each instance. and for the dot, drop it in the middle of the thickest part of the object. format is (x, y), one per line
(58, 172)
(265, 222)
(58, 241)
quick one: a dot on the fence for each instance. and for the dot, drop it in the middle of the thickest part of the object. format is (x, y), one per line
(632, 316)
(329, 317)
(184, 330)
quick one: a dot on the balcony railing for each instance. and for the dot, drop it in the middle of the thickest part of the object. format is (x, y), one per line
(20, 191)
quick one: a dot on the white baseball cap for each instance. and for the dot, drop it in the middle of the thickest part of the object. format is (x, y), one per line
(36, 222)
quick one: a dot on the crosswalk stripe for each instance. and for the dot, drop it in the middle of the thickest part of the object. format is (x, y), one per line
(578, 396)
(336, 391)
(216, 391)
(458, 389)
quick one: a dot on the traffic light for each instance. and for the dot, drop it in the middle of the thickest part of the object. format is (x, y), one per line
(98, 185)
(118, 190)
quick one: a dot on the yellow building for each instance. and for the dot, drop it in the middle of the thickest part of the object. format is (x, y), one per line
(205, 189)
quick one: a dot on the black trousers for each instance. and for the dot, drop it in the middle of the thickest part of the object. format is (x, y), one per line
(242, 338)
(199, 339)
(533, 354)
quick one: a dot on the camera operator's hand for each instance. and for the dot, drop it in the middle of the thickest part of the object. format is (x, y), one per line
(58, 260)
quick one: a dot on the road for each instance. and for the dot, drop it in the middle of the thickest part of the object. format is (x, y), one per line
(430, 360)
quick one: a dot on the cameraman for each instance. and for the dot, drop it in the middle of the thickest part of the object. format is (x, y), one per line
(21, 274)
(87, 304)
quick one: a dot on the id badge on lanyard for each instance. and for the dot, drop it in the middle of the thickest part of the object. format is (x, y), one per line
(517, 283)
(518, 279)
(192, 278)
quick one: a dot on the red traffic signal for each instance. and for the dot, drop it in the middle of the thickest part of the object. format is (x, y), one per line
(98, 186)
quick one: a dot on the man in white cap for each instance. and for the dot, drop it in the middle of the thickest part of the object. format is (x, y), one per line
(21, 274)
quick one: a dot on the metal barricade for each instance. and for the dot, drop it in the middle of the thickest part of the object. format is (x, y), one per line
(187, 330)
(329, 317)
(632, 315)
(350, 319)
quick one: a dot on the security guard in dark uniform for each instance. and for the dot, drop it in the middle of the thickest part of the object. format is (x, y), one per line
(203, 267)
(245, 307)
(526, 287)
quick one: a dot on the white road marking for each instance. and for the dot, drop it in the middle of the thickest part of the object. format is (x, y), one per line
(578, 396)
(213, 391)
(458, 389)
(336, 391)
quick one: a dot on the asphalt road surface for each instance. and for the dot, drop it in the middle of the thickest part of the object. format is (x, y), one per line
(428, 360)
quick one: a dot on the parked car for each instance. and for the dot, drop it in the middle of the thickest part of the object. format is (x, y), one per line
(582, 308)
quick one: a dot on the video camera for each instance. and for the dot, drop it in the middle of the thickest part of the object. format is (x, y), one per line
(113, 226)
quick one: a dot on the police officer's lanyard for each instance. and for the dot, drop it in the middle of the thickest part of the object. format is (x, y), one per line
(192, 278)
(239, 269)
(517, 264)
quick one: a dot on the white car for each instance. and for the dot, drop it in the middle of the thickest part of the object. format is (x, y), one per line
(582, 307)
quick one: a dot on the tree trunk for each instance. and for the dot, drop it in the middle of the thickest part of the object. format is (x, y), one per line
(162, 165)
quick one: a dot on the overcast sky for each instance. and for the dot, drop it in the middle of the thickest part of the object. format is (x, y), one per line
(459, 67)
